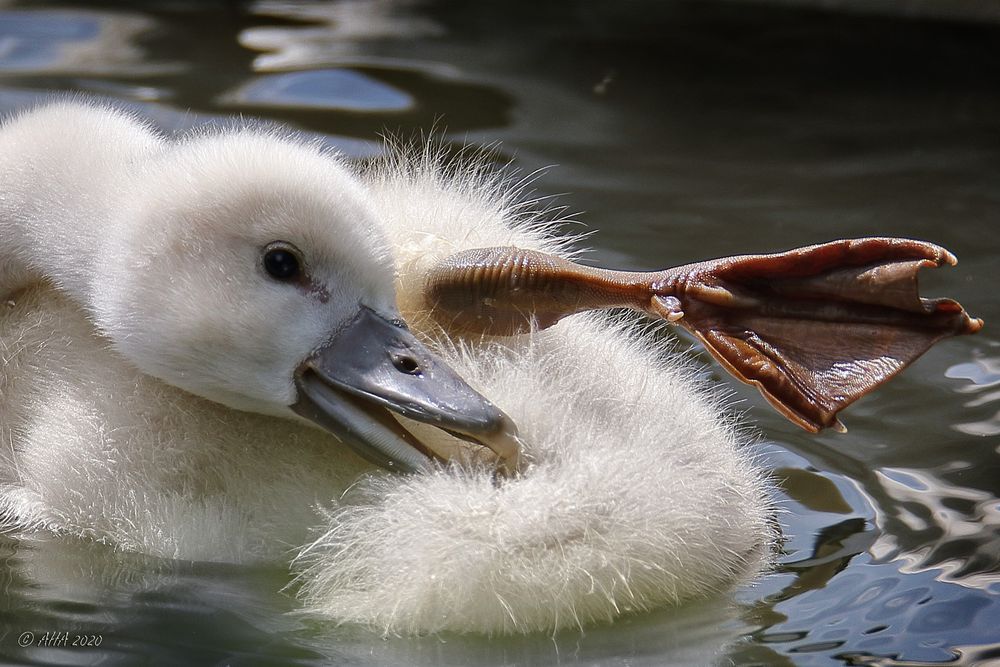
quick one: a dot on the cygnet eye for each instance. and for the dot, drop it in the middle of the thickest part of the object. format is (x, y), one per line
(281, 261)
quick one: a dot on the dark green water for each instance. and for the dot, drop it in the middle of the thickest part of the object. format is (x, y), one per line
(678, 130)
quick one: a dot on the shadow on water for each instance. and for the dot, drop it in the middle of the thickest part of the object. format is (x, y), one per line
(684, 130)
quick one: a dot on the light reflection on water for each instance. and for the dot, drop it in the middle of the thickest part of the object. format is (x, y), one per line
(984, 375)
(684, 131)
(343, 90)
(29, 41)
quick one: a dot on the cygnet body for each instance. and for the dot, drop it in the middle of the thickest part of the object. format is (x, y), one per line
(149, 366)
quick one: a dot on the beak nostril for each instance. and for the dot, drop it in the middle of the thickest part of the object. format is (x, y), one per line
(406, 364)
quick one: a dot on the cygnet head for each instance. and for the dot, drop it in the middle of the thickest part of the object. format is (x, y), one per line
(251, 270)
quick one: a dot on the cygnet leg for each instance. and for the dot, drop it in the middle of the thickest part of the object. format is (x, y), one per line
(814, 329)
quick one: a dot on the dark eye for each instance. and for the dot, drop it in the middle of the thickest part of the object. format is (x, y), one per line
(281, 261)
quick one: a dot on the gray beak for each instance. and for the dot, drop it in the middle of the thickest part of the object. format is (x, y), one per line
(372, 365)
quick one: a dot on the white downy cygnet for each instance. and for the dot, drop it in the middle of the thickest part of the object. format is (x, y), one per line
(178, 312)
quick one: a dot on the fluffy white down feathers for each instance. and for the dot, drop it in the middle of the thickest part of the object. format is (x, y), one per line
(130, 416)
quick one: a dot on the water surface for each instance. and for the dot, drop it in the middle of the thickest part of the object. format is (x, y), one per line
(675, 131)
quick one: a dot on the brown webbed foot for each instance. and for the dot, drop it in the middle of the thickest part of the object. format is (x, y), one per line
(817, 328)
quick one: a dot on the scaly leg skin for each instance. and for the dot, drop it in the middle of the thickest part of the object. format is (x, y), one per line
(814, 329)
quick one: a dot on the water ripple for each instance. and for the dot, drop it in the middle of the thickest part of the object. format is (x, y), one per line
(334, 89)
(984, 376)
(46, 41)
